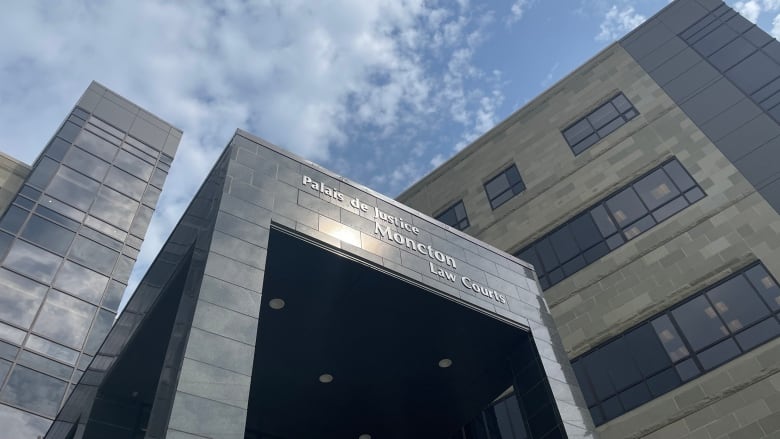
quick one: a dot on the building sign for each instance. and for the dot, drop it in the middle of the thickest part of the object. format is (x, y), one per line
(396, 230)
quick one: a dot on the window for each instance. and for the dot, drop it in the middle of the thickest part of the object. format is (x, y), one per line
(707, 330)
(455, 216)
(504, 186)
(606, 226)
(599, 123)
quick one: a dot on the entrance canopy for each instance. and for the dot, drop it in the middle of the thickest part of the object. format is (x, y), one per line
(357, 351)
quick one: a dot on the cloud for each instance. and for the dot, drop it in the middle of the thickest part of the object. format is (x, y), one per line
(517, 10)
(776, 27)
(750, 9)
(548, 79)
(617, 22)
(317, 79)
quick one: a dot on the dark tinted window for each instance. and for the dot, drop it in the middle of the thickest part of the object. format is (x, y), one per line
(504, 186)
(707, 330)
(455, 216)
(606, 226)
(599, 123)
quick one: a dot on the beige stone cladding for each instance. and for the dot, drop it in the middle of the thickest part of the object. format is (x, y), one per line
(12, 175)
(730, 228)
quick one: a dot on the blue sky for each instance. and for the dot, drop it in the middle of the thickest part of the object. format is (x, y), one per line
(379, 91)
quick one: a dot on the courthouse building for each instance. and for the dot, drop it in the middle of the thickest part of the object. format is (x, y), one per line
(604, 264)
(644, 188)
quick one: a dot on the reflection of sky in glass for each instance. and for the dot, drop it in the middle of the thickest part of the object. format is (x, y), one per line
(93, 255)
(33, 390)
(18, 424)
(74, 187)
(125, 183)
(64, 319)
(32, 261)
(11, 334)
(99, 331)
(38, 344)
(133, 165)
(20, 299)
(81, 282)
(114, 208)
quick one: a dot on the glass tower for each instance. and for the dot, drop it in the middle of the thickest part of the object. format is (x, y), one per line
(68, 243)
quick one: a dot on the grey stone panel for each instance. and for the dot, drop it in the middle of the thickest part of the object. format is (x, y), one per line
(760, 166)
(712, 101)
(722, 106)
(724, 123)
(742, 140)
(771, 192)
(343, 224)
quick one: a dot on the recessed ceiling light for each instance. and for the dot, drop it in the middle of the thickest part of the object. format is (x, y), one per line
(364, 436)
(276, 303)
(445, 363)
(326, 378)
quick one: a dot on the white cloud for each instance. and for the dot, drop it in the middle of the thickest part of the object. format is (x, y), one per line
(517, 10)
(548, 79)
(750, 9)
(617, 22)
(304, 75)
(776, 27)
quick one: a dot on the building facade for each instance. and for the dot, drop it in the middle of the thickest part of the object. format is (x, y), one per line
(12, 175)
(290, 302)
(69, 237)
(644, 187)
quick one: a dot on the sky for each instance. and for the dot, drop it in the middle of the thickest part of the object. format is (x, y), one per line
(379, 91)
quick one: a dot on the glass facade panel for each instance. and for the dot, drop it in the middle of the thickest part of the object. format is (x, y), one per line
(64, 319)
(42, 173)
(32, 261)
(114, 208)
(69, 185)
(96, 145)
(9, 333)
(86, 163)
(103, 323)
(93, 255)
(593, 233)
(125, 183)
(20, 299)
(47, 234)
(80, 282)
(13, 219)
(34, 391)
(133, 165)
(19, 424)
(656, 356)
(51, 349)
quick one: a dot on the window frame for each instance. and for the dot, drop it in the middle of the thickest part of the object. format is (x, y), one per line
(459, 221)
(691, 356)
(595, 134)
(516, 188)
(603, 216)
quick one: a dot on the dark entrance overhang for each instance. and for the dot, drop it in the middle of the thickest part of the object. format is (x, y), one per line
(381, 338)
